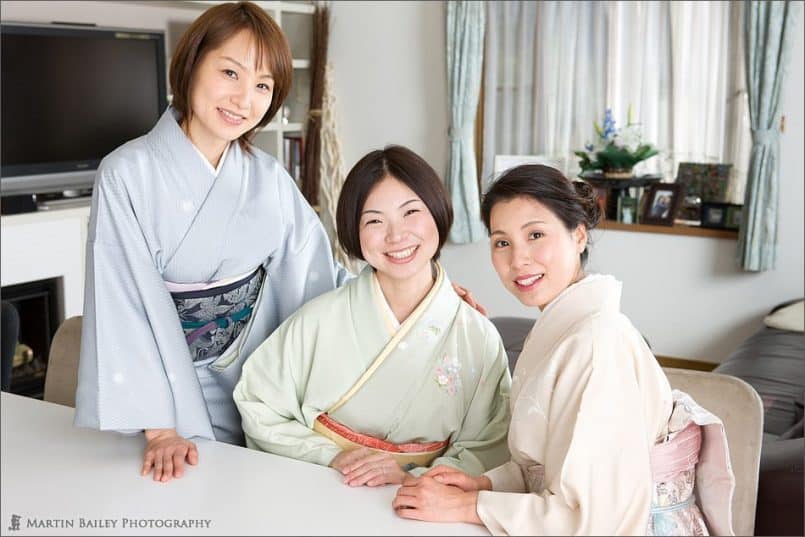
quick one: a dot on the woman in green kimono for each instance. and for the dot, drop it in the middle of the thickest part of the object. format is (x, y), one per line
(392, 372)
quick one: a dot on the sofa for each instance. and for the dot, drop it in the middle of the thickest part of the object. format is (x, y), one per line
(772, 360)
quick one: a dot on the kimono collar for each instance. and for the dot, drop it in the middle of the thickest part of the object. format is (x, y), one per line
(595, 293)
(168, 138)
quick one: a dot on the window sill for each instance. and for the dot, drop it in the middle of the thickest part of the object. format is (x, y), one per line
(676, 229)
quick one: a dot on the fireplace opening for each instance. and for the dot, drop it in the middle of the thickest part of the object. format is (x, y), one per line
(38, 306)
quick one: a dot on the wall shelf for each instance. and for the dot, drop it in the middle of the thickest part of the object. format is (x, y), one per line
(287, 127)
(677, 229)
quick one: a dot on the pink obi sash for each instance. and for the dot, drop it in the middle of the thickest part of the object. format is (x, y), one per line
(673, 470)
(411, 453)
(681, 453)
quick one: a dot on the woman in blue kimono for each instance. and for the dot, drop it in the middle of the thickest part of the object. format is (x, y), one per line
(199, 246)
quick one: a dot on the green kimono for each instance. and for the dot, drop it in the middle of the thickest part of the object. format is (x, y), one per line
(444, 377)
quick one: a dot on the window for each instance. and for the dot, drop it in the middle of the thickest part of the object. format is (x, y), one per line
(553, 68)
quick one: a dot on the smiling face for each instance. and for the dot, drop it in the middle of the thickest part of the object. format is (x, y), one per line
(397, 232)
(229, 96)
(534, 254)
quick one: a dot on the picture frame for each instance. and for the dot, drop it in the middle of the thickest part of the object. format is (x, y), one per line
(734, 216)
(660, 203)
(602, 197)
(707, 181)
(718, 215)
(627, 209)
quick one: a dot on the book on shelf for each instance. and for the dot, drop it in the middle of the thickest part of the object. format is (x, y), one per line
(293, 155)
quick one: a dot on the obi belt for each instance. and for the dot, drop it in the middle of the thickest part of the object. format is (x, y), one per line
(408, 455)
(673, 468)
(213, 318)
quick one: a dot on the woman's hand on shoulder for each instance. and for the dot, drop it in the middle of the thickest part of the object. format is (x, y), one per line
(447, 475)
(467, 297)
(166, 452)
(362, 466)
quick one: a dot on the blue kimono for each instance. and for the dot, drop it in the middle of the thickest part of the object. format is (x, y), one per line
(160, 214)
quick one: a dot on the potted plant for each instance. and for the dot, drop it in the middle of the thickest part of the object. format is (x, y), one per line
(615, 151)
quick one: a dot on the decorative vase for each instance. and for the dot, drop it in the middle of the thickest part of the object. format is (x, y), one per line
(618, 173)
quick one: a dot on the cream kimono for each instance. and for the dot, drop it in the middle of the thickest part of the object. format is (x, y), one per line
(444, 376)
(589, 403)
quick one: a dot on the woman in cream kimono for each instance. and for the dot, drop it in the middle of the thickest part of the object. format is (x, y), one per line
(600, 444)
(392, 372)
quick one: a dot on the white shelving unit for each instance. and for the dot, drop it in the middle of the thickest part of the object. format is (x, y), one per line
(291, 117)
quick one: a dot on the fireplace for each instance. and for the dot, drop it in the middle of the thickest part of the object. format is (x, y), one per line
(38, 306)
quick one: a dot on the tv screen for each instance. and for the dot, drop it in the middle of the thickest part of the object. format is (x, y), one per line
(71, 95)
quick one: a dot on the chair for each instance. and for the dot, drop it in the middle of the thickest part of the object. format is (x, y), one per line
(61, 376)
(739, 407)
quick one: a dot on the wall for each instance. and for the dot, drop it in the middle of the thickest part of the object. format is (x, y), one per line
(390, 78)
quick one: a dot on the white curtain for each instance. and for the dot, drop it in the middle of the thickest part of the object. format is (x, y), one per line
(552, 68)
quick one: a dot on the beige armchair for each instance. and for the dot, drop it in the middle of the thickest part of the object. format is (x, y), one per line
(61, 376)
(739, 407)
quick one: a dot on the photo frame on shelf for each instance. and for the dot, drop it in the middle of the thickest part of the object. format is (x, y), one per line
(709, 182)
(718, 215)
(734, 216)
(660, 203)
(602, 197)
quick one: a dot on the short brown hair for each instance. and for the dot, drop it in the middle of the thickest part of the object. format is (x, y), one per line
(407, 167)
(210, 31)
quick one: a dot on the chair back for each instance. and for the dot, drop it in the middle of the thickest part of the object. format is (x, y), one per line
(61, 376)
(739, 407)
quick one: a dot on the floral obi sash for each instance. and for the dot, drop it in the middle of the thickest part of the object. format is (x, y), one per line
(673, 503)
(408, 455)
(213, 318)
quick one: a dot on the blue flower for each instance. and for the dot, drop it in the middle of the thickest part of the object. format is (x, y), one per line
(609, 125)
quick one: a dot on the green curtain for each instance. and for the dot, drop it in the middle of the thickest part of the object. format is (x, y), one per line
(465, 50)
(768, 34)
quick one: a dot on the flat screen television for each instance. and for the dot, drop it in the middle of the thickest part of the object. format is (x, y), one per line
(70, 95)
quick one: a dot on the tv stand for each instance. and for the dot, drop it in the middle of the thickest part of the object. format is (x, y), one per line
(65, 203)
(31, 203)
(18, 204)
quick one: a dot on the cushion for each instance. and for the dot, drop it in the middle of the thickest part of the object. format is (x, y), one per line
(790, 317)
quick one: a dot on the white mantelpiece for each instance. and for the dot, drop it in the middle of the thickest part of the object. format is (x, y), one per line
(47, 244)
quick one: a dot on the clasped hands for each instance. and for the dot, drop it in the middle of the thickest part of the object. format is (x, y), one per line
(362, 466)
(442, 494)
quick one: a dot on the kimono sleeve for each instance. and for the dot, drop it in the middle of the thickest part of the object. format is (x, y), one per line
(270, 397)
(603, 484)
(304, 267)
(135, 370)
(481, 444)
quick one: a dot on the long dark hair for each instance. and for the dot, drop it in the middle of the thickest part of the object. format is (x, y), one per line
(573, 202)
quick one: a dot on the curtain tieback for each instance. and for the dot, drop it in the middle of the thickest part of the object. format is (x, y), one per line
(765, 136)
(464, 132)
